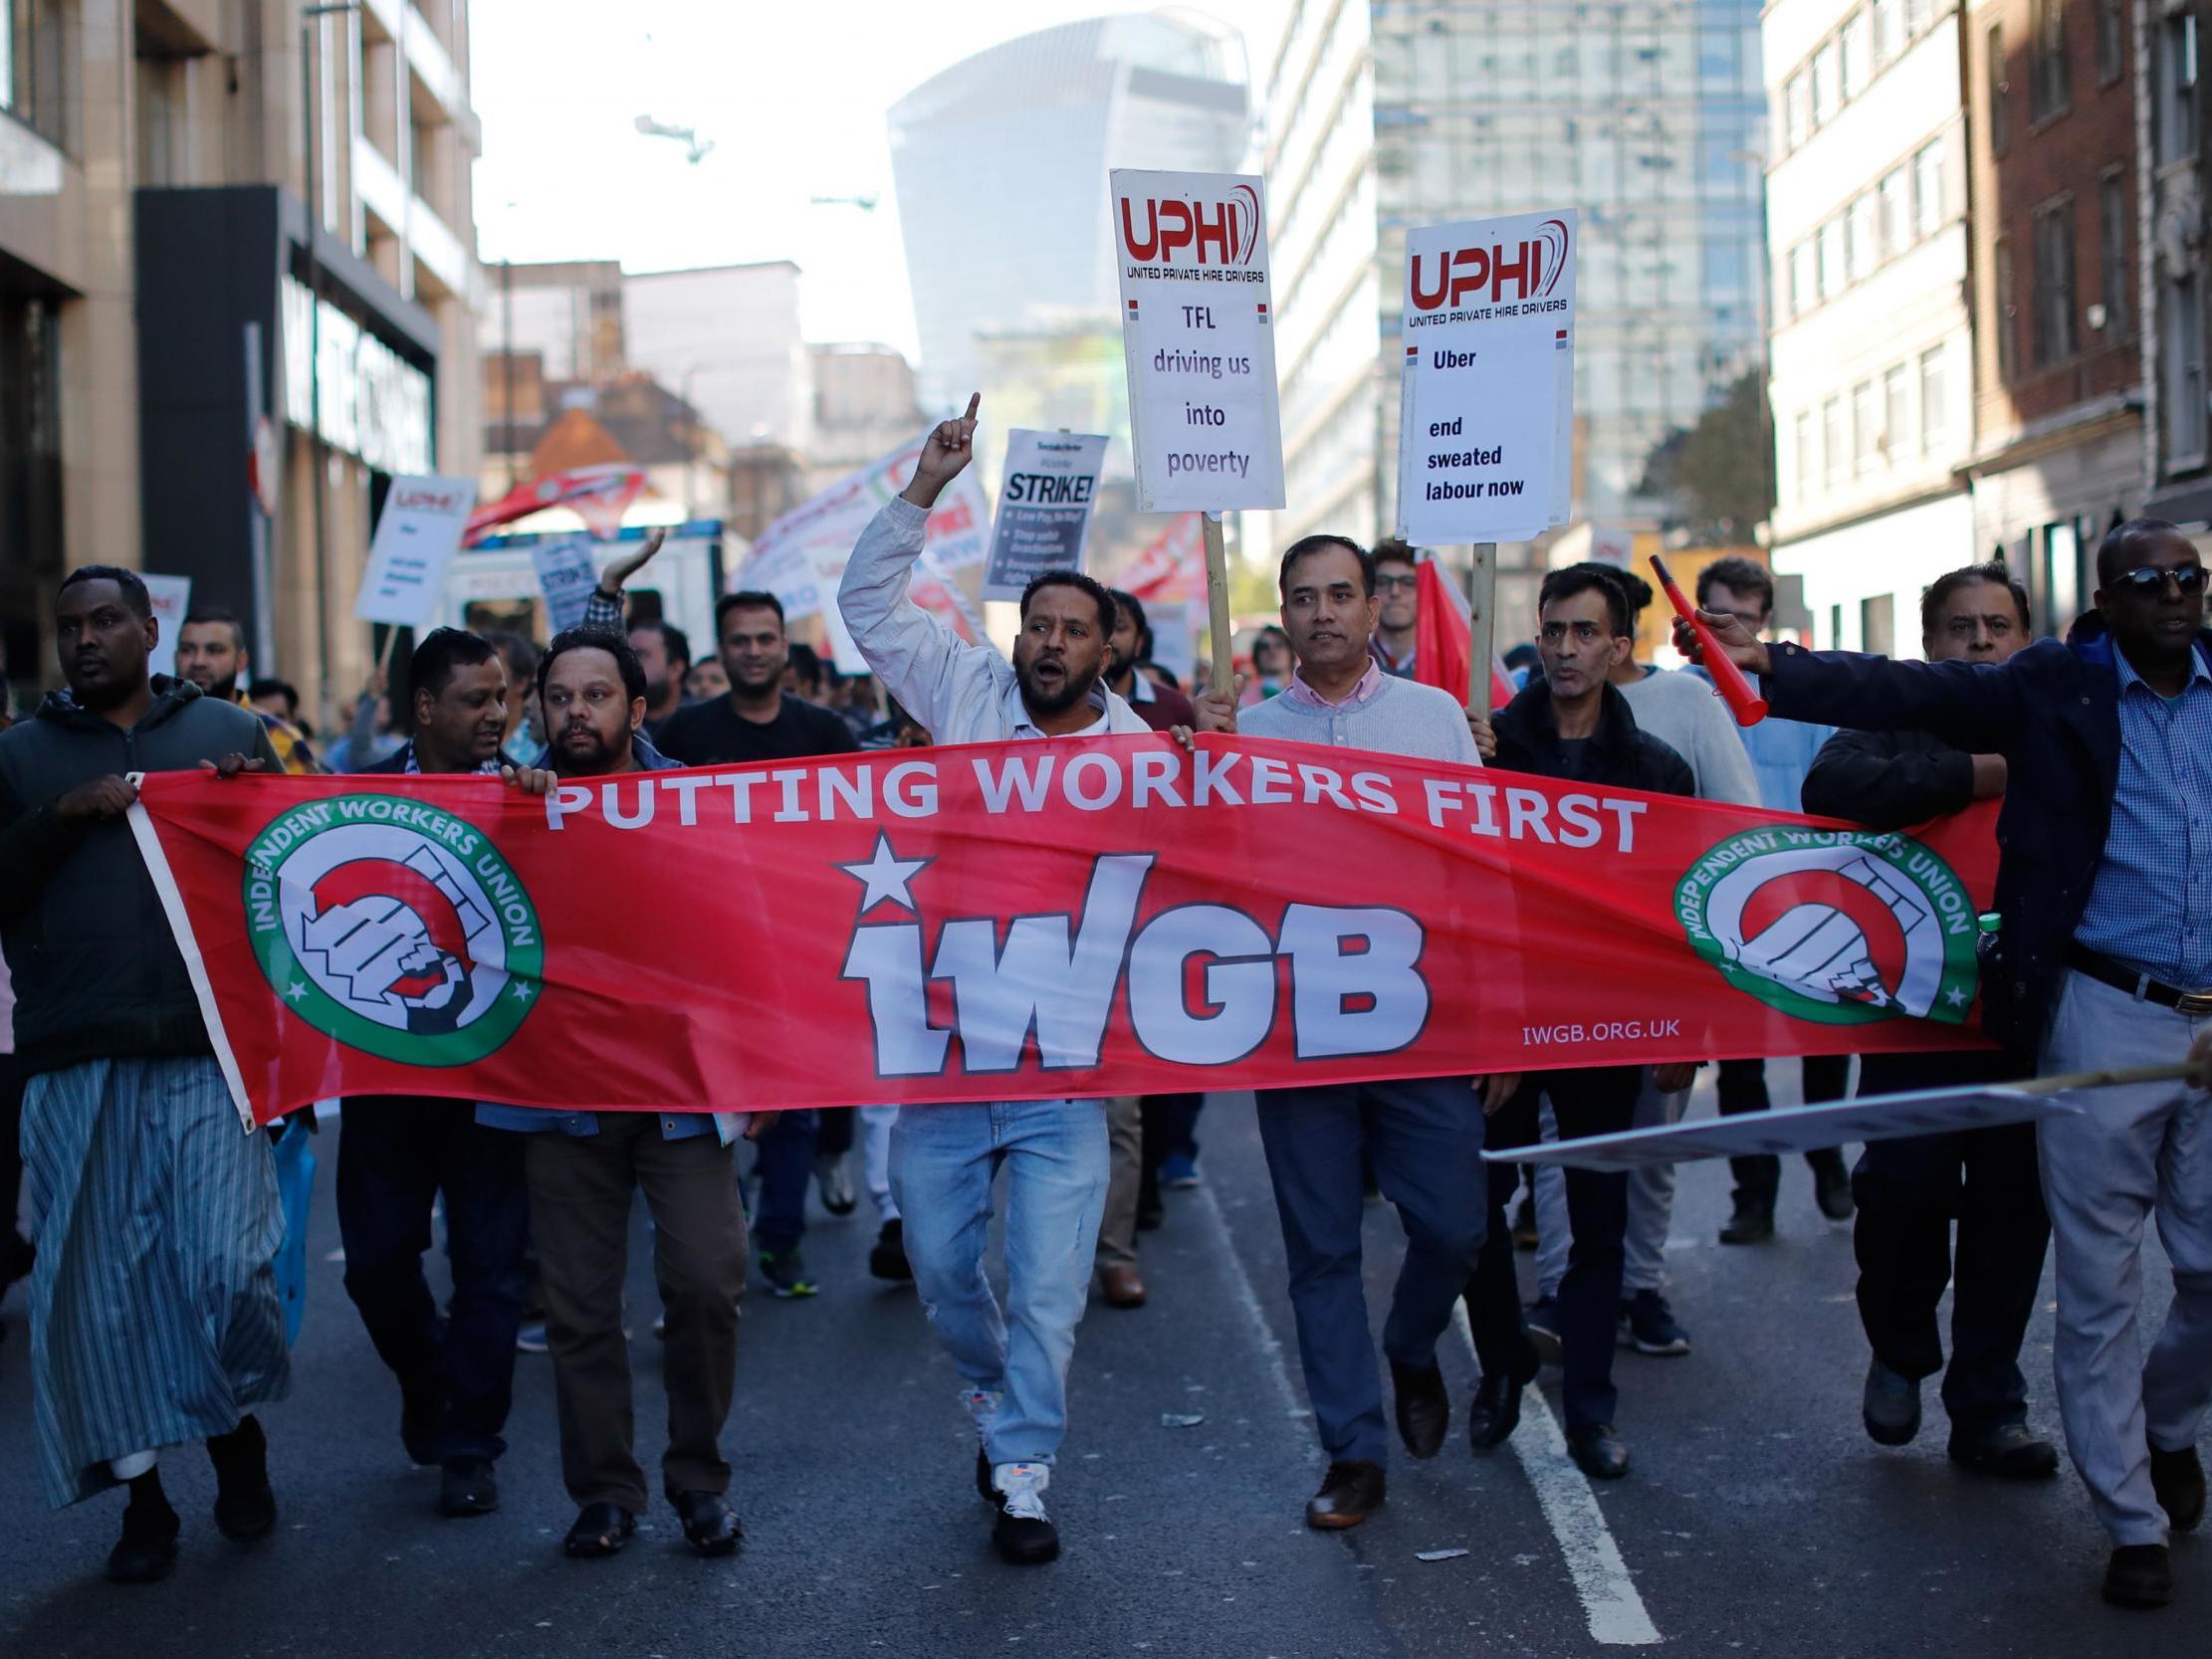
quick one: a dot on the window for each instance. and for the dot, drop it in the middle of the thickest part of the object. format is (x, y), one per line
(1862, 250)
(1832, 258)
(2112, 40)
(1888, 33)
(2183, 338)
(1802, 296)
(1802, 432)
(2006, 313)
(36, 65)
(1894, 213)
(2177, 90)
(1896, 415)
(2048, 89)
(1927, 188)
(1933, 413)
(1797, 109)
(1877, 624)
(1832, 439)
(2000, 134)
(2053, 296)
(2112, 253)
(1865, 422)
(1917, 16)
(1827, 92)
(1851, 46)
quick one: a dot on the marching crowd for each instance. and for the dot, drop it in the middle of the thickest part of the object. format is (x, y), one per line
(153, 1222)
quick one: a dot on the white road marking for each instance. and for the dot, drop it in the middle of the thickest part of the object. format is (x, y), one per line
(1614, 1612)
(1256, 1318)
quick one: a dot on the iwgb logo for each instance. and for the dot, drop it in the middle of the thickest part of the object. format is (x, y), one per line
(1533, 268)
(393, 927)
(1229, 228)
(1841, 928)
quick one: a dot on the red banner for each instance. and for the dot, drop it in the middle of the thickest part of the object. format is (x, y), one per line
(1034, 919)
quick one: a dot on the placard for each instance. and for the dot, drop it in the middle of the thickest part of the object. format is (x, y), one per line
(415, 541)
(1487, 387)
(172, 602)
(567, 574)
(1044, 508)
(1206, 427)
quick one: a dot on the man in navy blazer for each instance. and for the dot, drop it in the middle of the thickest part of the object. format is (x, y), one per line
(2104, 886)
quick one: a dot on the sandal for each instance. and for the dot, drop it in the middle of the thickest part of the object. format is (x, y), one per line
(601, 1530)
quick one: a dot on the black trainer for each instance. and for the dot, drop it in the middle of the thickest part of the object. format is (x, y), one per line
(887, 1256)
(1025, 1534)
(2139, 1575)
(422, 1424)
(1752, 1222)
(147, 1548)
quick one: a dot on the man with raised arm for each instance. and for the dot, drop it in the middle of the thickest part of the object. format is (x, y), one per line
(2105, 960)
(943, 1157)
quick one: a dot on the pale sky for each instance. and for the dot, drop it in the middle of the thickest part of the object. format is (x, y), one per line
(793, 95)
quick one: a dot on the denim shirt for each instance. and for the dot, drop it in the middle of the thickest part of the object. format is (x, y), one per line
(2150, 905)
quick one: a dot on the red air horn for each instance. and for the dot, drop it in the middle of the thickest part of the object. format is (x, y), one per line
(1729, 684)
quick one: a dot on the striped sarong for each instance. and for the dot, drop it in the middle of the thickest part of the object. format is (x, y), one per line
(155, 1317)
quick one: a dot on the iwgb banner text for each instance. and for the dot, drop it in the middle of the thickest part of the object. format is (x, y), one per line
(1110, 916)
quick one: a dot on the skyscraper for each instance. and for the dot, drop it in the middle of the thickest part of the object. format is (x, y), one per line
(1648, 119)
(1021, 246)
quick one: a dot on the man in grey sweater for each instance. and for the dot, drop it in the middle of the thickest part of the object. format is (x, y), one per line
(1422, 1137)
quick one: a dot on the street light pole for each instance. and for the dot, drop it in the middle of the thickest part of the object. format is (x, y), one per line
(311, 23)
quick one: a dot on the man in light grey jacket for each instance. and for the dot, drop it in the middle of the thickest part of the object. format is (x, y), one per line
(943, 1157)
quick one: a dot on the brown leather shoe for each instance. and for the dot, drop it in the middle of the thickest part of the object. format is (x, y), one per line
(1123, 1287)
(1349, 1495)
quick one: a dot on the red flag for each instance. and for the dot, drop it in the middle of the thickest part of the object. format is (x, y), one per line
(1442, 636)
(600, 495)
(1172, 568)
(1010, 921)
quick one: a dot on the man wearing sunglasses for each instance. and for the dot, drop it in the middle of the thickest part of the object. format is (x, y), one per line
(2104, 886)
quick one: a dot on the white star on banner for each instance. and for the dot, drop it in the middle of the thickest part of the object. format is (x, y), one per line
(520, 991)
(885, 875)
(1956, 998)
(295, 991)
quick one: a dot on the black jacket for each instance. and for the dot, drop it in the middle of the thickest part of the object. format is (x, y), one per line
(1888, 781)
(2053, 712)
(1627, 756)
(96, 971)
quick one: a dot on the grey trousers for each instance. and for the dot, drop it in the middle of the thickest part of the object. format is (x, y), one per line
(1650, 1204)
(1125, 1145)
(2131, 1150)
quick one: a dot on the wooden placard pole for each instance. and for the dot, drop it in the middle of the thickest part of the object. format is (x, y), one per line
(1481, 625)
(1223, 670)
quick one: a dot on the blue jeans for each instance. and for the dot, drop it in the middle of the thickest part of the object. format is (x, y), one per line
(943, 1162)
(1424, 1138)
(784, 1166)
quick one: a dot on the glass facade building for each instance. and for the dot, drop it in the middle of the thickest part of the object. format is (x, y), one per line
(1649, 118)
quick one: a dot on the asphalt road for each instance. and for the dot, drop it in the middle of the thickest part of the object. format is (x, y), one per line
(1758, 1519)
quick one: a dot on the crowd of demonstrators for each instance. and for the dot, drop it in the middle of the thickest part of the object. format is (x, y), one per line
(2105, 900)
(1421, 1138)
(401, 1156)
(157, 1221)
(1909, 1189)
(1054, 1152)
(1782, 752)
(154, 1315)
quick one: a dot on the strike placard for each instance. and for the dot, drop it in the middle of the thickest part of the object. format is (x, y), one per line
(1487, 389)
(1044, 508)
(1198, 328)
(567, 574)
(415, 541)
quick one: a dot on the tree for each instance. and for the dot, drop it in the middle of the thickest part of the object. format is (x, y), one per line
(1718, 477)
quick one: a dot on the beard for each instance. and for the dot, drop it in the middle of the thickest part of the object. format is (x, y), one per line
(570, 758)
(1043, 700)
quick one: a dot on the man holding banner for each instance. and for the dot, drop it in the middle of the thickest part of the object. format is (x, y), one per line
(944, 1158)
(1422, 1137)
(2104, 889)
